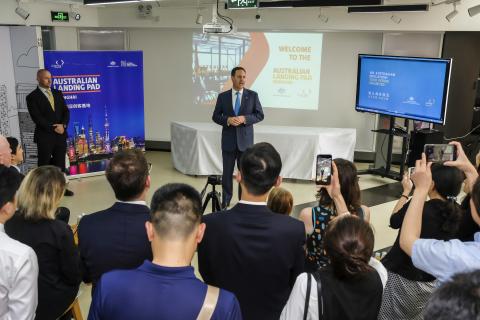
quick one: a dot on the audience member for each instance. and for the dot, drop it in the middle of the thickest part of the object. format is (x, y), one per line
(280, 200)
(5, 152)
(52, 240)
(166, 288)
(115, 238)
(16, 152)
(349, 288)
(441, 259)
(343, 195)
(409, 288)
(457, 299)
(18, 262)
(248, 249)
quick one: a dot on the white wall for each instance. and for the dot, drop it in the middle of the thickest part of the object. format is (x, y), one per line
(169, 96)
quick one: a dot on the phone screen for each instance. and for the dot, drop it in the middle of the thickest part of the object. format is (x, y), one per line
(324, 169)
(440, 152)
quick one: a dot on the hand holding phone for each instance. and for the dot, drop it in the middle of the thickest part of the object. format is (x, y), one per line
(323, 174)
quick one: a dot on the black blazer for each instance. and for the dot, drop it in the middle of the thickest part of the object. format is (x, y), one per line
(58, 262)
(241, 136)
(114, 238)
(254, 253)
(44, 117)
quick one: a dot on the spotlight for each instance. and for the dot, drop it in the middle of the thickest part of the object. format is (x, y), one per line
(322, 17)
(396, 19)
(24, 14)
(473, 11)
(452, 14)
(199, 19)
(258, 18)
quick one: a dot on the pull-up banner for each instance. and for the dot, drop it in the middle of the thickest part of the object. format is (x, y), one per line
(104, 93)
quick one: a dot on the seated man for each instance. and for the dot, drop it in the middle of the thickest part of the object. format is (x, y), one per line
(18, 262)
(167, 287)
(115, 238)
(250, 250)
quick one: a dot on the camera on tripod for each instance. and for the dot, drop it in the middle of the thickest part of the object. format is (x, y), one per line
(214, 180)
(213, 195)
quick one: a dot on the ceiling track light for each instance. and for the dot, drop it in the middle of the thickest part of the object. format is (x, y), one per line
(322, 17)
(24, 14)
(473, 11)
(396, 19)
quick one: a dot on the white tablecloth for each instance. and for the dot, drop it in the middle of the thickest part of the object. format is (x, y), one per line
(196, 148)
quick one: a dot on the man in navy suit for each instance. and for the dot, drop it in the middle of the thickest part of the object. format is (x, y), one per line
(237, 110)
(115, 238)
(249, 250)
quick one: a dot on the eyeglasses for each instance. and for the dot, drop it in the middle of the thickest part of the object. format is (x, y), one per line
(149, 167)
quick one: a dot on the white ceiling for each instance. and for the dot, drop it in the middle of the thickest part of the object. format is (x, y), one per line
(194, 3)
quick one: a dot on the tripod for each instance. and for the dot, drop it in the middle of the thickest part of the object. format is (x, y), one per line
(212, 195)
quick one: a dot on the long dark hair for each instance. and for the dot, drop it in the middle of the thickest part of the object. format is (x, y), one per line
(347, 174)
(349, 245)
(448, 183)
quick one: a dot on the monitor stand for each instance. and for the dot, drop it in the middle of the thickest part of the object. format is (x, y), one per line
(386, 171)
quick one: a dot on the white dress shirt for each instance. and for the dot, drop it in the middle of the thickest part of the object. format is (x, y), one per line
(45, 91)
(295, 306)
(18, 279)
(234, 97)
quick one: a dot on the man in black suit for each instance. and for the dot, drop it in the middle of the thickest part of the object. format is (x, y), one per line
(115, 238)
(249, 250)
(50, 114)
(237, 110)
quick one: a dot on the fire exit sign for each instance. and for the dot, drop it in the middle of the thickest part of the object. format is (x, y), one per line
(241, 4)
(59, 15)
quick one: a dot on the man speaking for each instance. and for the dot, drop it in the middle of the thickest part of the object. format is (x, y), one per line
(237, 110)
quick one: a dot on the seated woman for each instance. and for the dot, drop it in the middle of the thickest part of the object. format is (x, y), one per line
(345, 180)
(409, 288)
(280, 200)
(349, 288)
(52, 240)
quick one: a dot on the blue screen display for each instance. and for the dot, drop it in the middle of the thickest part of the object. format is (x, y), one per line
(413, 88)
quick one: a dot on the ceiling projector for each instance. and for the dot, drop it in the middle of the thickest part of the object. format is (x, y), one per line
(215, 27)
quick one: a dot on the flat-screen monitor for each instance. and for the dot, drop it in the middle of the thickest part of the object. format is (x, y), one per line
(405, 87)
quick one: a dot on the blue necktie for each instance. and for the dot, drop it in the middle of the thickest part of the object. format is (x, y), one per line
(237, 103)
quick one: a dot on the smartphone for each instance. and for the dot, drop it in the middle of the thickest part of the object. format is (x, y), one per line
(440, 152)
(324, 169)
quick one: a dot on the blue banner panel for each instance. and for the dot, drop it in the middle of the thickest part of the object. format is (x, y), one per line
(104, 93)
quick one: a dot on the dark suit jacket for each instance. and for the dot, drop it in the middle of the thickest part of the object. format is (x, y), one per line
(44, 117)
(114, 238)
(241, 136)
(254, 253)
(58, 262)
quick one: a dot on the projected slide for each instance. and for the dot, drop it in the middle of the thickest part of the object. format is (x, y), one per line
(410, 88)
(284, 68)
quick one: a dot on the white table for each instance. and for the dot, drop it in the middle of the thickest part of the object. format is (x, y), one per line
(196, 148)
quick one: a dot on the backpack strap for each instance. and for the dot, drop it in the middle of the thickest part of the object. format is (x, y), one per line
(307, 295)
(209, 304)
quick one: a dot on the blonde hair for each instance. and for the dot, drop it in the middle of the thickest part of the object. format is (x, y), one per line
(40, 193)
(280, 201)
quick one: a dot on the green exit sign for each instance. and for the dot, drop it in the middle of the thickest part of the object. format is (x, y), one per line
(59, 15)
(241, 4)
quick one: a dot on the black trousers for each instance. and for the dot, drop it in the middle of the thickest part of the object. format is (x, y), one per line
(52, 152)
(229, 158)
